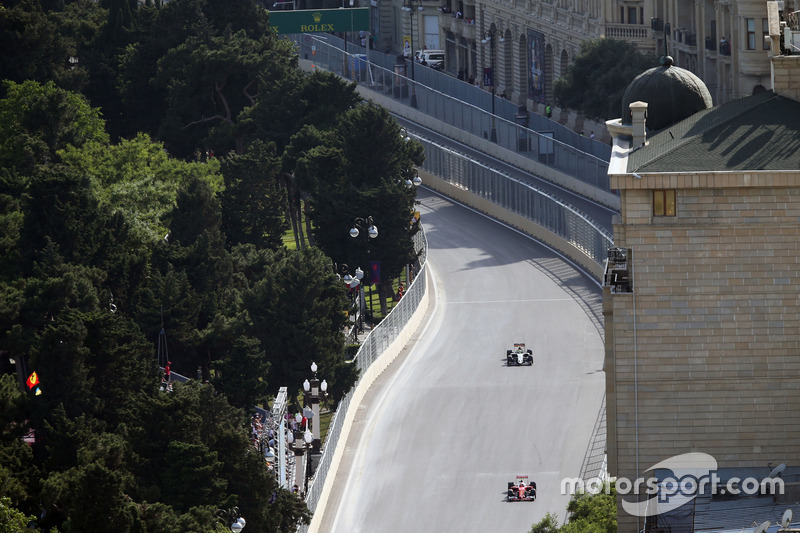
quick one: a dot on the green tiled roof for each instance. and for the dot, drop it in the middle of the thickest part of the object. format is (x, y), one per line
(760, 132)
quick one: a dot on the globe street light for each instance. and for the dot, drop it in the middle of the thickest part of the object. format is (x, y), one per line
(231, 516)
(238, 525)
(409, 6)
(358, 227)
(359, 224)
(315, 391)
(416, 181)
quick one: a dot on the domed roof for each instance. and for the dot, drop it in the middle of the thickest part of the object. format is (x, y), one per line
(672, 94)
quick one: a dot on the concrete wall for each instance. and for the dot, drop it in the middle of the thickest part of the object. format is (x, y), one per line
(367, 379)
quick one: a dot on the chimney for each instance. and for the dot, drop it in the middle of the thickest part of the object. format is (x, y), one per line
(786, 76)
(638, 119)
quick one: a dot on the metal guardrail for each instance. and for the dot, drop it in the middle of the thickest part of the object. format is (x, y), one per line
(462, 105)
(519, 197)
(373, 346)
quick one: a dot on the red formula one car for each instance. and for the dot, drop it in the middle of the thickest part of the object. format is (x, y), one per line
(521, 490)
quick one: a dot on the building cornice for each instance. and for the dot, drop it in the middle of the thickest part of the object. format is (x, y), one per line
(706, 180)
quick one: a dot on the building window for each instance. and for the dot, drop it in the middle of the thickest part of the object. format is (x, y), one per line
(632, 15)
(664, 203)
(751, 34)
(765, 31)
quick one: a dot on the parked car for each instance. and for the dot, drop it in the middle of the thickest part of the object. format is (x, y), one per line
(432, 58)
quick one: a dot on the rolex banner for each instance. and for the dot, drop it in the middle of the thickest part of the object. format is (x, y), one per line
(319, 20)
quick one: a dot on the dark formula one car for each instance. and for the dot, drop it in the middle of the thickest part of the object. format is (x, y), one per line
(519, 356)
(521, 490)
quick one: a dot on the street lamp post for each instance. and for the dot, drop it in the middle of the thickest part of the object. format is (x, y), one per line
(359, 225)
(231, 517)
(301, 443)
(409, 6)
(354, 282)
(315, 391)
(489, 37)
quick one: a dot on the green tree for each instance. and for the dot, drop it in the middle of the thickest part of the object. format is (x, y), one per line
(593, 513)
(95, 364)
(36, 41)
(254, 200)
(11, 219)
(196, 252)
(297, 100)
(61, 211)
(12, 520)
(138, 179)
(298, 312)
(211, 80)
(18, 472)
(597, 79)
(359, 170)
(232, 473)
(98, 480)
(242, 374)
(548, 524)
(586, 513)
(37, 120)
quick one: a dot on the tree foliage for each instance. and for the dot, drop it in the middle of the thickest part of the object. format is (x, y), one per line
(359, 170)
(597, 79)
(11, 519)
(37, 120)
(586, 513)
(254, 201)
(114, 228)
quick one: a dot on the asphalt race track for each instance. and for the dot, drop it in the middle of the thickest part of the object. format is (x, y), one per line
(449, 424)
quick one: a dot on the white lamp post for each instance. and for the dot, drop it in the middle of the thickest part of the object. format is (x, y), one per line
(314, 393)
(372, 231)
(299, 449)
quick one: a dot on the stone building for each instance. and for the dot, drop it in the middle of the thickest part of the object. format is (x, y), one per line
(721, 41)
(702, 295)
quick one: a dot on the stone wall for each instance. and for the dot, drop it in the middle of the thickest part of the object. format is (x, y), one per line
(704, 355)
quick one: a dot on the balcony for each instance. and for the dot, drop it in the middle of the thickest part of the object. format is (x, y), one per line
(686, 36)
(461, 26)
(627, 32)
